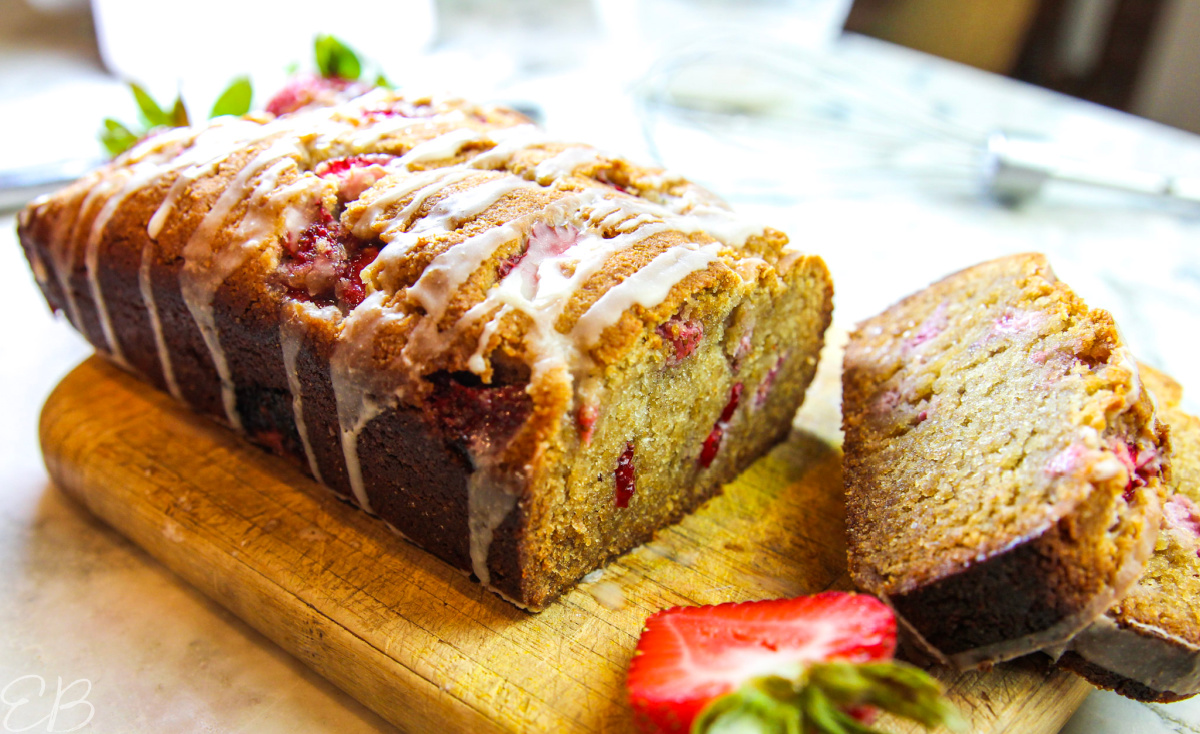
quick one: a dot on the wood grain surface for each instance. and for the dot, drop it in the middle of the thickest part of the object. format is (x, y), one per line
(416, 640)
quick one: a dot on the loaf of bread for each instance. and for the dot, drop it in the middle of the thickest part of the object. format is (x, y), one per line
(1147, 646)
(526, 356)
(991, 499)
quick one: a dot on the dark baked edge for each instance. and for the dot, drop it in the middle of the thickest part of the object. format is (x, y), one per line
(1107, 680)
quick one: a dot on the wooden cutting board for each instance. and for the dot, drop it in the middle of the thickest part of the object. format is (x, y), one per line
(416, 640)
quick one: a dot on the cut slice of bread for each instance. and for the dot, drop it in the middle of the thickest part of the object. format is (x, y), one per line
(1002, 464)
(1147, 646)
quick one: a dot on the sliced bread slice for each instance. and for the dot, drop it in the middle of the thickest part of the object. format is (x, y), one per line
(987, 419)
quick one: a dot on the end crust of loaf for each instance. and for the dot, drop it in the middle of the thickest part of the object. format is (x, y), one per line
(1147, 646)
(992, 496)
(525, 355)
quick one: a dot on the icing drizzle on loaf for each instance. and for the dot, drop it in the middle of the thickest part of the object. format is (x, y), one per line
(448, 170)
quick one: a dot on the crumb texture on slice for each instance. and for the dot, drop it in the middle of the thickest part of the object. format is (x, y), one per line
(1147, 646)
(1002, 463)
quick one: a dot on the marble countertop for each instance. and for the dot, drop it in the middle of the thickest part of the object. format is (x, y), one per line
(89, 619)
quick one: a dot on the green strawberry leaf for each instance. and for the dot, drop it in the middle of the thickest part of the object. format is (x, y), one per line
(152, 115)
(116, 138)
(335, 59)
(383, 81)
(179, 113)
(235, 100)
(897, 688)
(752, 708)
(816, 701)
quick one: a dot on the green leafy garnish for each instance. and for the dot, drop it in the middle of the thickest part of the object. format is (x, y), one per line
(235, 100)
(818, 701)
(116, 138)
(179, 114)
(151, 113)
(335, 59)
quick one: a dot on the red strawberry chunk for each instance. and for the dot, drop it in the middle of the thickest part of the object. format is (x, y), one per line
(1180, 513)
(544, 242)
(586, 417)
(325, 263)
(354, 174)
(605, 177)
(712, 444)
(764, 388)
(1142, 464)
(688, 656)
(350, 289)
(683, 336)
(931, 327)
(477, 415)
(307, 90)
(338, 166)
(507, 265)
(744, 345)
(401, 108)
(626, 481)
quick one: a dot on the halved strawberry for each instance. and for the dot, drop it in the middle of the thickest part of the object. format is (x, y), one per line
(815, 663)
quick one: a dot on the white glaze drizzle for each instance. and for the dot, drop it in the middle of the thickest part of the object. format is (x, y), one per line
(208, 150)
(509, 141)
(450, 269)
(420, 186)
(566, 162)
(487, 507)
(62, 254)
(55, 242)
(647, 287)
(146, 164)
(205, 269)
(545, 299)
(35, 257)
(291, 337)
(160, 342)
(138, 176)
(700, 211)
(354, 381)
(110, 193)
(442, 147)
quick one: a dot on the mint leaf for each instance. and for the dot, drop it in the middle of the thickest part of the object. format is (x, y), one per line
(151, 113)
(335, 59)
(116, 138)
(235, 100)
(383, 81)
